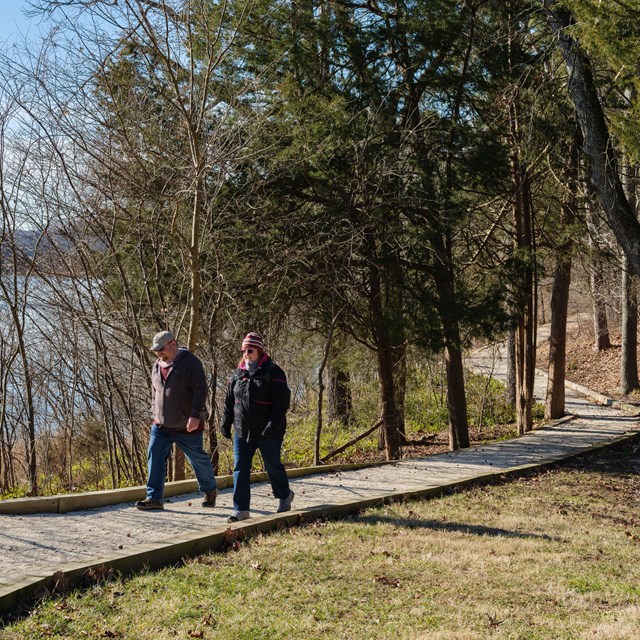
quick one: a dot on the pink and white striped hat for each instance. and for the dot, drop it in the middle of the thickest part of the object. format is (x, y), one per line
(253, 340)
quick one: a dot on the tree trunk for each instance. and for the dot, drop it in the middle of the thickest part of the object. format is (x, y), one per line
(400, 384)
(456, 400)
(602, 339)
(195, 279)
(323, 364)
(456, 396)
(387, 397)
(384, 351)
(629, 303)
(15, 302)
(510, 391)
(523, 289)
(32, 465)
(629, 332)
(339, 403)
(554, 406)
(214, 454)
(597, 141)
(525, 306)
(596, 275)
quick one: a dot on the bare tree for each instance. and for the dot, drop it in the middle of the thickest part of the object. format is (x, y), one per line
(74, 179)
(163, 142)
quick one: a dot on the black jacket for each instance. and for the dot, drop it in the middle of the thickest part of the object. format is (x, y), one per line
(256, 403)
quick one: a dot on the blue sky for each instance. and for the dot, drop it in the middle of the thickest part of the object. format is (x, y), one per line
(12, 20)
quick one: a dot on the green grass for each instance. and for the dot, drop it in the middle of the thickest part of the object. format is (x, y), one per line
(551, 557)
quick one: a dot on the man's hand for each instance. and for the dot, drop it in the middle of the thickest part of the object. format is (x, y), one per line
(193, 424)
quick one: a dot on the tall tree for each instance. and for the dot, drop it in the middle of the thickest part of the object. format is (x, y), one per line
(399, 141)
(629, 380)
(159, 139)
(598, 144)
(555, 400)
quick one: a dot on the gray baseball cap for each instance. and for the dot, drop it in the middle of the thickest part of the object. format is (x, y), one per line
(161, 339)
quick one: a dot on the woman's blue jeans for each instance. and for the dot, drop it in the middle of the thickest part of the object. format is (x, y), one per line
(243, 453)
(160, 442)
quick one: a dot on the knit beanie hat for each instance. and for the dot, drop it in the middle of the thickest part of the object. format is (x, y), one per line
(253, 340)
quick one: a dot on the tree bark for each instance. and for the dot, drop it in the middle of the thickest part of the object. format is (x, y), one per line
(554, 405)
(555, 400)
(629, 303)
(384, 351)
(400, 384)
(525, 306)
(214, 453)
(597, 142)
(510, 391)
(339, 403)
(629, 332)
(456, 396)
(596, 275)
(602, 338)
(323, 364)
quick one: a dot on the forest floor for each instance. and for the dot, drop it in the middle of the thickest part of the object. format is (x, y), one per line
(586, 366)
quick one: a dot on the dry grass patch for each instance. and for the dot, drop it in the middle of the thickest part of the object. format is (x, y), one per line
(552, 556)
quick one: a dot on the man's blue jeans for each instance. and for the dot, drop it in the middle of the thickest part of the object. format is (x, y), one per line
(160, 442)
(243, 453)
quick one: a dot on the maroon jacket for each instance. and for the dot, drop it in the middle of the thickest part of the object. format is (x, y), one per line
(182, 395)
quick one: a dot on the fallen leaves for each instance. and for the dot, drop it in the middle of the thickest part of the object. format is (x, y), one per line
(388, 581)
(61, 582)
(233, 539)
(494, 623)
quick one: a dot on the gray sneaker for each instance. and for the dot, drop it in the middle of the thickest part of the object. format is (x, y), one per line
(285, 503)
(149, 505)
(236, 516)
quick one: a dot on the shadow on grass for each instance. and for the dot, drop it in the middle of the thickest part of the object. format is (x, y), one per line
(622, 459)
(450, 527)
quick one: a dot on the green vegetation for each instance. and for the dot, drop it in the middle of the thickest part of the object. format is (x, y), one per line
(370, 186)
(551, 557)
(491, 418)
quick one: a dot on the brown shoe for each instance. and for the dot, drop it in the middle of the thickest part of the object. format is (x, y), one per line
(149, 505)
(210, 498)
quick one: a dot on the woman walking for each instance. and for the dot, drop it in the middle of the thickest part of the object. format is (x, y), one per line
(256, 404)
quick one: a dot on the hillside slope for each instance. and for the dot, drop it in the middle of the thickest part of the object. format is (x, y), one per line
(597, 370)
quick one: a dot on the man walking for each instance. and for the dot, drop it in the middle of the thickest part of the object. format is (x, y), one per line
(178, 399)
